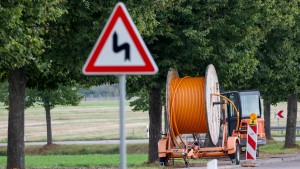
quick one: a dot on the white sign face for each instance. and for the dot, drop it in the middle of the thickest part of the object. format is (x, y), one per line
(120, 48)
(119, 36)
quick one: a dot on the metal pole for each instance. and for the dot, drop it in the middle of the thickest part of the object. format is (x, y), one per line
(122, 88)
(278, 124)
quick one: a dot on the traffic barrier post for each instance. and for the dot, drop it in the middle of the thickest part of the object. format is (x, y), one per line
(251, 147)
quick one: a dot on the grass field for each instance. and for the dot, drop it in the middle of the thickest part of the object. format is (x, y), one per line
(91, 160)
(81, 156)
(276, 147)
(93, 120)
(94, 156)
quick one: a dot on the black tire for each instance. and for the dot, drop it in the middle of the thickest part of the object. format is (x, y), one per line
(186, 164)
(237, 155)
(257, 152)
(163, 161)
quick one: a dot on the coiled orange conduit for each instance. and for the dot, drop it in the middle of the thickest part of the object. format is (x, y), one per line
(187, 107)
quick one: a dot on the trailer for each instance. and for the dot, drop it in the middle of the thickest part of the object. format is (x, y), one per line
(195, 106)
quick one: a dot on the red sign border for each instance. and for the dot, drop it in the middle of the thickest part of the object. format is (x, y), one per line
(150, 67)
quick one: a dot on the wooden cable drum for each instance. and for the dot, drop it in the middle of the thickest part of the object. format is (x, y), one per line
(190, 106)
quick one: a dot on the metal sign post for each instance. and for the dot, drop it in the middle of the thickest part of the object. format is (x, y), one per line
(122, 88)
(120, 37)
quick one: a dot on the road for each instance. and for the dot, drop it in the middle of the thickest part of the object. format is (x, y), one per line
(283, 138)
(278, 161)
(272, 165)
(278, 165)
(141, 141)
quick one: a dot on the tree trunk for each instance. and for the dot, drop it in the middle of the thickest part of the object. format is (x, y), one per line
(48, 120)
(267, 117)
(155, 111)
(290, 136)
(15, 145)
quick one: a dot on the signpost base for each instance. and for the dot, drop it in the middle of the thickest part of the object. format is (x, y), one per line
(250, 164)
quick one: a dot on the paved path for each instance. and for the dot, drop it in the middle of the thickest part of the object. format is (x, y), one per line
(87, 142)
(140, 141)
(272, 162)
(283, 138)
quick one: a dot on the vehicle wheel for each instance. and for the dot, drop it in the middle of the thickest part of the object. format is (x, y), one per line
(257, 152)
(237, 155)
(163, 161)
(186, 163)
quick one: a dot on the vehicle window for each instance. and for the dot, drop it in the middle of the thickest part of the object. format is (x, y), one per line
(232, 112)
(250, 104)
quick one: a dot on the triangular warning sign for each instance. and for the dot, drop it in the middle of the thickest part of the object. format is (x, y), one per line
(120, 48)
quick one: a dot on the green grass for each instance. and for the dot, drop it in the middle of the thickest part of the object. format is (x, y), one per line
(90, 160)
(276, 147)
(80, 156)
(59, 156)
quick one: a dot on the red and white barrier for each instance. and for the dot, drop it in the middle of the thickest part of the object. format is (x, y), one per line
(251, 142)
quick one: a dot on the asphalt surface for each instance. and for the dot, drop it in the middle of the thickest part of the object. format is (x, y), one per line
(272, 162)
(283, 138)
(281, 165)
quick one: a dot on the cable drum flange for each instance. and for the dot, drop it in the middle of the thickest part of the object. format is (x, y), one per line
(212, 111)
(171, 74)
(190, 108)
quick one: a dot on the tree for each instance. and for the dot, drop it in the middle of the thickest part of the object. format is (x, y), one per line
(267, 118)
(82, 25)
(276, 74)
(4, 92)
(49, 43)
(290, 135)
(22, 25)
(64, 95)
(193, 34)
(178, 29)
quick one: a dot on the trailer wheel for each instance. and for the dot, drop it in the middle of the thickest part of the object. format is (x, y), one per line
(237, 155)
(163, 161)
(186, 163)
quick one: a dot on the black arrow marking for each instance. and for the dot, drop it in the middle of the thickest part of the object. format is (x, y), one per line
(124, 46)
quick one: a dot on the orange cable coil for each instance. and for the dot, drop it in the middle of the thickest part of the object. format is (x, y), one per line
(187, 106)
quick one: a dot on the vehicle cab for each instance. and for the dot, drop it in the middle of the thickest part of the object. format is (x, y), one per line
(246, 102)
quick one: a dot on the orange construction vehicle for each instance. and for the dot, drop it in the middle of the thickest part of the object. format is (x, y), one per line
(246, 102)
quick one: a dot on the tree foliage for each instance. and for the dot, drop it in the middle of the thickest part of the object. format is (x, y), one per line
(64, 95)
(276, 74)
(22, 26)
(192, 34)
(253, 44)
(232, 35)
